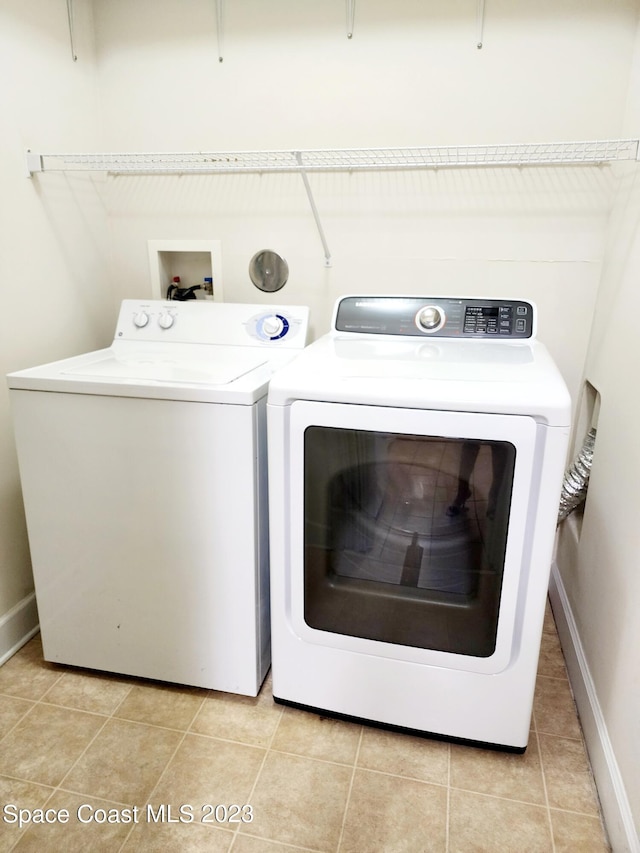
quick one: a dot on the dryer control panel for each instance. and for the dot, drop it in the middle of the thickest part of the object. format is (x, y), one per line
(439, 317)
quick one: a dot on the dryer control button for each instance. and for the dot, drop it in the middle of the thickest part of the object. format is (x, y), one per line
(430, 318)
(140, 319)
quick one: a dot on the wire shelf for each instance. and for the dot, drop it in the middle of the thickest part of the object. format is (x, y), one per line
(592, 152)
(346, 160)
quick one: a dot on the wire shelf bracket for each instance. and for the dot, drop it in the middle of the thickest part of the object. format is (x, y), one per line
(480, 24)
(220, 28)
(351, 14)
(70, 21)
(314, 209)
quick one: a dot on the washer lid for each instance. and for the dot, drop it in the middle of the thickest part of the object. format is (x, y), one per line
(224, 366)
(188, 372)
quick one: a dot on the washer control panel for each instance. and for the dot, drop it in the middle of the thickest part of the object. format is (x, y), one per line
(439, 317)
(203, 322)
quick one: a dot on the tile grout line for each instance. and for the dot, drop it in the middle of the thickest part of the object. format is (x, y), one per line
(267, 750)
(371, 770)
(185, 732)
(59, 786)
(34, 703)
(544, 781)
(349, 791)
(148, 798)
(107, 718)
(54, 789)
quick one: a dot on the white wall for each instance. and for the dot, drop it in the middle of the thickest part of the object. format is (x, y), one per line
(599, 568)
(54, 243)
(412, 75)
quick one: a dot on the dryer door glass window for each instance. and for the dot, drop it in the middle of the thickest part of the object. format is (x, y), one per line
(405, 537)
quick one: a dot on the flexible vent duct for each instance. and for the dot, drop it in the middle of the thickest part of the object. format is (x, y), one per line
(576, 478)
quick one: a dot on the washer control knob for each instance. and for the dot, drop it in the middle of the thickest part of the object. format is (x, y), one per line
(272, 326)
(140, 319)
(430, 318)
(166, 320)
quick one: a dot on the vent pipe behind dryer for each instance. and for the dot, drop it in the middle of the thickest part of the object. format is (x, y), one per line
(576, 478)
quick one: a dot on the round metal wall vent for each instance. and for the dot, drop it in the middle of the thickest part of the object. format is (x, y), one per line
(269, 272)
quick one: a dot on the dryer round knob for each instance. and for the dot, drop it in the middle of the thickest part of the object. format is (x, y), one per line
(166, 320)
(430, 319)
(140, 319)
(272, 325)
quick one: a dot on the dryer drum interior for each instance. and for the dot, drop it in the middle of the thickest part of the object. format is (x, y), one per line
(405, 537)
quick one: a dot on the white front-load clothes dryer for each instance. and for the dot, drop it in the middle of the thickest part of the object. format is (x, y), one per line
(416, 454)
(144, 476)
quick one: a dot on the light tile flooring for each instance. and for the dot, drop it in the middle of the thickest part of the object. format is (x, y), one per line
(103, 749)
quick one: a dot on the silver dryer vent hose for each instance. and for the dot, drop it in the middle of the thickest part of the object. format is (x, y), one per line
(576, 478)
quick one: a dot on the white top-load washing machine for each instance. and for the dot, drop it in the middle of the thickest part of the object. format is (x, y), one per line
(143, 469)
(416, 454)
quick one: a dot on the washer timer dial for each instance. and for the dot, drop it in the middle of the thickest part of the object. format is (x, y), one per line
(272, 327)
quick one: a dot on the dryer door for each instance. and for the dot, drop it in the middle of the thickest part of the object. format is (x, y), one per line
(408, 530)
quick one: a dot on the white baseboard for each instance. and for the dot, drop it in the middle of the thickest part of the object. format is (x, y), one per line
(613, 796)
(17, 627)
